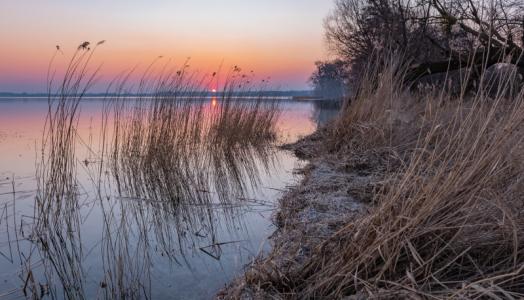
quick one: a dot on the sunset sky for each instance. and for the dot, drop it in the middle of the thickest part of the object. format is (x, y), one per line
(277, 38)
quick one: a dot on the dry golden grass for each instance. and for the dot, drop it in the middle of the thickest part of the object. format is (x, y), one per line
(448, 223)
(169, 155)
(446, 220)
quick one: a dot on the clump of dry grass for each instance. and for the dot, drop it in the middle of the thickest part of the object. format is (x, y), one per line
(166, 152)
(57, 230)
(447, 220)
(175, 146)
(448, 225)
(248, 121)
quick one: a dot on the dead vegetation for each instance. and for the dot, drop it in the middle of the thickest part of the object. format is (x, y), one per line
(167, 172)
(443, 176)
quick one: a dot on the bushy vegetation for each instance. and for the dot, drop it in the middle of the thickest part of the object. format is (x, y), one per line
(329, 80)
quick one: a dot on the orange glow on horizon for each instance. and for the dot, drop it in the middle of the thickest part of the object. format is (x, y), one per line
(273, 38)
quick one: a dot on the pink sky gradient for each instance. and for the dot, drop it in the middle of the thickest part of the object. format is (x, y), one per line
(277, 38)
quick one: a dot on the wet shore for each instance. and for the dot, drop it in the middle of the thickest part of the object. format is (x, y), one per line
(332, 191)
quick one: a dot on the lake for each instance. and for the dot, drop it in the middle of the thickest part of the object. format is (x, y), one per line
(118, 237)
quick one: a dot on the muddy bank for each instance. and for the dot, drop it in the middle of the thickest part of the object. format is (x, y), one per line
(333, 190)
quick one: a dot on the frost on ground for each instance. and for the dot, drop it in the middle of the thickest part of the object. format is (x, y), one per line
(331, 192)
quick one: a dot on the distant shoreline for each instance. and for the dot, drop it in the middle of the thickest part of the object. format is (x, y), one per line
(298, 93)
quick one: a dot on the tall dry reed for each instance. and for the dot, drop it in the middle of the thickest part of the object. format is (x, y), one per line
(446, 220)
(168, 153)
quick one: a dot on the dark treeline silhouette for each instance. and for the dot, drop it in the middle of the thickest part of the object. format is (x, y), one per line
(433, 36)
(290, 93)
(329, 79)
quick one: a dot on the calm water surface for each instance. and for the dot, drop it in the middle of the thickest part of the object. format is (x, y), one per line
(122, 245)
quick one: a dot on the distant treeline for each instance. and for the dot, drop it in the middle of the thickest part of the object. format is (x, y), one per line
(303, 93)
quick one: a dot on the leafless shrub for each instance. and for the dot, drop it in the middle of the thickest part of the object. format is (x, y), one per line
(435, 36)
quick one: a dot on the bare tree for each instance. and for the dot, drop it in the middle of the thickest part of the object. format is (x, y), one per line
(329, 80)
(434, 35)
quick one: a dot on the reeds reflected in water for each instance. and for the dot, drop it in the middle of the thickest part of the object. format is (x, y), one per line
(57, 204)
(170, 171)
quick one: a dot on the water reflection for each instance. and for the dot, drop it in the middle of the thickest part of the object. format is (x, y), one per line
(181, 171)
(118, 228)
(325, 111)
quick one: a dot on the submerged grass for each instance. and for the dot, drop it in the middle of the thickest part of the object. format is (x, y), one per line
(169, 155)
(446, 211)
(57, 229)
(175, 150)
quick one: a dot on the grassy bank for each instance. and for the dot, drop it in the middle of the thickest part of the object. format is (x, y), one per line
(409, 194)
